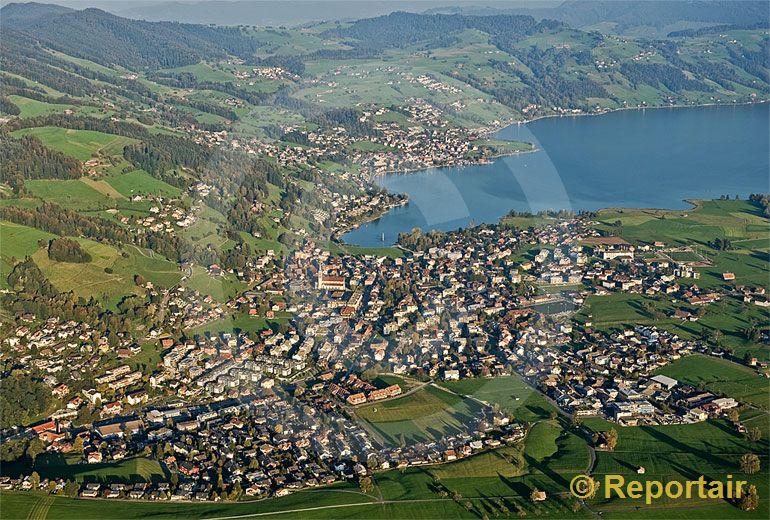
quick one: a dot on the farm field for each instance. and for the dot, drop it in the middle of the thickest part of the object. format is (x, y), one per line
(80, 144)
(722, 377)
(110, 273)
(511, 393)
(139, 182)
(733, 219)
(679, 452)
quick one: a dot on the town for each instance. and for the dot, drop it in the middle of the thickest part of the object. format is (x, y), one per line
(426, 314)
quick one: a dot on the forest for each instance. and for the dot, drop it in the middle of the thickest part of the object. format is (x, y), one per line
(28, 158)
(67, 250)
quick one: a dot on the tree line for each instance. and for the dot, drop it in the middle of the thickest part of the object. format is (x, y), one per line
(28, 158)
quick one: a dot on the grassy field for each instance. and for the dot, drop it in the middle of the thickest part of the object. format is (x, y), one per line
(679, 452)
(73, 194)
(221, 288)
(92, 279)
(428, 413)
(33, 108)
(722, 377)
(56, 465)
(16, 243)
(541, 441)
(730, 316)
(19, 241)
(80, 144)
(733, 219)
(510, 393)
(141, 182)
(505, 462)
(241, 322)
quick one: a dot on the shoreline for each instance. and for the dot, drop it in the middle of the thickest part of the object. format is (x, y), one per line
(340, 237)
(623, 109)
(459, 165)
(491, 131)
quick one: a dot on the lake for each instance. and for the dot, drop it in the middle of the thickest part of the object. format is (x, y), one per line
(632, 158)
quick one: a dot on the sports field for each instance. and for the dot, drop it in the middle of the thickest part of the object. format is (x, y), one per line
(427, 414)
(510, 393)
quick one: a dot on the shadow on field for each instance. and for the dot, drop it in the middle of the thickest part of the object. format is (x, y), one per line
(546, 470)
(685, 448)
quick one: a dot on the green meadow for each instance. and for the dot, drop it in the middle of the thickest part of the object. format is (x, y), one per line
(72, 467)
(678, 452)
(19, 241)
(732, 219)
(139, 182)
(110, 273)
(16, 243)
(80, 144)
(426, 414)
(74, 194)
(33, 108)
(510, 393)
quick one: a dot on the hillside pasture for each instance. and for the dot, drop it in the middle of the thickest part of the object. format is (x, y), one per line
(110, 273)
(80, 144)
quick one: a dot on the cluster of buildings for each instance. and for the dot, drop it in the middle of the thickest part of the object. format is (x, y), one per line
(273, 411)
(271, 73)
(612, 375)
(229, 364)
(164, 215)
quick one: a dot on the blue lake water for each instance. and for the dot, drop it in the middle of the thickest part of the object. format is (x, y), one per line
(634, 158)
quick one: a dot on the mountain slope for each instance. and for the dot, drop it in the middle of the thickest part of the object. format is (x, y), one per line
(20, 15)
(630, 14)
(107, 39)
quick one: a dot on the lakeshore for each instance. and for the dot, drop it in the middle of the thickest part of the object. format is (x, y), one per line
(628, 158)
